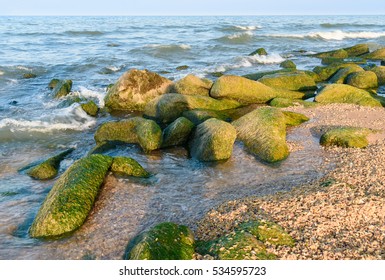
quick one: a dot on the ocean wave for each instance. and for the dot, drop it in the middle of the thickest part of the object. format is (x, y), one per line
(1, 73)
(171, 47)
(163, 50)
(237, 38)
(93, 94)
(240, 28)
(84, 32)
(337, 35)
(339, 25)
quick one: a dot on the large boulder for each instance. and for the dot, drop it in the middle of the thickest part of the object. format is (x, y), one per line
(376, 55)
(263, 131)
(364, 80)
(291, 81)
(166, 241)
(380, 72)
(136, 130)
(357, 50)
(294, 119)
(135, 88)
(347, 137)
(326, 72)
(353, 51)
(256, 76)
(341, 53)
(62, 88)
(90, 108)
(177, 133)
(169, 107)
(338, 93)
(288, 64)
(213, 140)
(125, 166)
(340, 76)
(198, 116)
(193, 85)
(72, 197)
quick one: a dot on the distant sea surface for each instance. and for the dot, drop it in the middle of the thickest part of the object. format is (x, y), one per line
(94, 52)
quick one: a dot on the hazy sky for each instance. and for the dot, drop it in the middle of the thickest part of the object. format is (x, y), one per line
(190, 7)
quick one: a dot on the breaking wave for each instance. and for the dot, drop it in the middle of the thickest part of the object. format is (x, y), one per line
(334, 35)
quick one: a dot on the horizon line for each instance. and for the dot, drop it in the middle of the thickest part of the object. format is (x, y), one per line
(182, 15)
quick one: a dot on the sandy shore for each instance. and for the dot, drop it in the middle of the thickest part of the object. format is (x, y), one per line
(341, 216)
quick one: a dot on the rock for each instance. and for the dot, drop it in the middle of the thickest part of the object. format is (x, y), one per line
(169, 107)
(341, 53)
(380, 73)
(363, 80)
(177, 133)
(285, 102)
(376, 55)
(182, 67)
(326, 72)
(135, 88)
(260, 51)
(49, 168)
(29, 76)
(263, 131)
(382, 62)
(166, 241)
(332, 60)
(193, 85)
(69, 100)
(347, 137)
(289, 81)
(213, 140)
(71, 198)
(198, 116)
(357, 50)
(338, 93)
(90, 108)
(216, 74)
(52, 84)
(294, 119)
(137, 130)
(340, 76)
(62, 88)
(258, 75)
(288, 64)
(125, 166)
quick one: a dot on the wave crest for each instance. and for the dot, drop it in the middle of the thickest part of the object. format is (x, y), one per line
(337, 35)
(237, 38)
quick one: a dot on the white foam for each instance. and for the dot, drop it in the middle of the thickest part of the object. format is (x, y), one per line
(240, 35)
(337, 35)
(1, 73)
(88, 93)
(250, 27)
(171, 46)
(23, 68)
(272, 58)
(114, 68)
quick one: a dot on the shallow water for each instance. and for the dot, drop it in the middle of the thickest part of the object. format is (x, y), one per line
(94, 52)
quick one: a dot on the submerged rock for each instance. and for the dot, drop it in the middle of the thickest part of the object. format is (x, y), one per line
(62, 88)
(71, 198)
(213, 140)
(125, 166)
(260, 51)
(169, 107)
(338, 93)
(136, 130)
(166, 241)
(90, 108)
(347, 137)
(363, 80)
(263, 131)
(177, 133)
(29, 76)
(135, 88)
(52, 84)
(192, 85)
(290, 81)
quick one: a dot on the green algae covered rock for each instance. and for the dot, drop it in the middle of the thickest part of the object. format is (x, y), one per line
(288, 64)
(285, 102)
(338, 93)
(347, 137)
(52, 84)
(333, 60)
(49, 168)
(363, 80)
(125, 166)
(135, 130)
(169, 107)
(290, 81)
(62, 88)
(260, 51)
(198, 116)
(192, 85)
(135, 88)
(380, 72)
(90, 108)
(326, 72)
(376, 55)
(177, 133)
(357, 50)
(71, 198)
(341, 53)
(166, 241)
(213, 140)
(340, 76)
(258, 75)
(263, 131)
(294, 119)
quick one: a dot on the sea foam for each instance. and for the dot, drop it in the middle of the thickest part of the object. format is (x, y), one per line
(337, 35)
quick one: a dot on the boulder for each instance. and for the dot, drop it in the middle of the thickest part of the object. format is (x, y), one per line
(347, 137)
(380, 73)
(294, 119)
(62, 88)
(333, 60)
(49, 168)
(326, 72)
(135, 130)
(182, 67)
(166, 241)
(357, 50)
(285, 102)
(90, 108)
(376, 55)
(288, 64)
(340, 76)
(213, 140)
(169, 107)
(291, 81)
(135, 88)
(72, 197)
(364, 80)
(193, 85)
(125, 166)
(260, 51)
(29, 75)
(177, 133)
(198, 116)
(263, 131)
(341, 53)
(338, 93)
(258, 75)
(52, 84)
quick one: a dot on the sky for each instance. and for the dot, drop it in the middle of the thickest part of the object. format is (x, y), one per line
(192, 7)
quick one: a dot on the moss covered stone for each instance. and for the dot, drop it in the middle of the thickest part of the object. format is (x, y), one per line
(213, 140)
(136, 130)
(341, 53)
(90, 108)
(338, 93)
(177, 133)
(347, 137)
(260, 51)
(285, 102)
(288, 64)
(294, 119)
(193, 85)
(169, 107)
(62, 88)
(326, 72)
(357, 50)
(340, 76)
(166, 241)
(263, 131)
(333, 60)
(52, 84)
(198, 116)
(49, 168)
(364, 80)
(125, 166)
(380, 73)
(135, 88)
(376, 55)
(258, 75)
(29, 76)
(71, 198)
(290, 81)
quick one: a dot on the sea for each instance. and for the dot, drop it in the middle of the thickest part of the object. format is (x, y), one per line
(93, 52)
